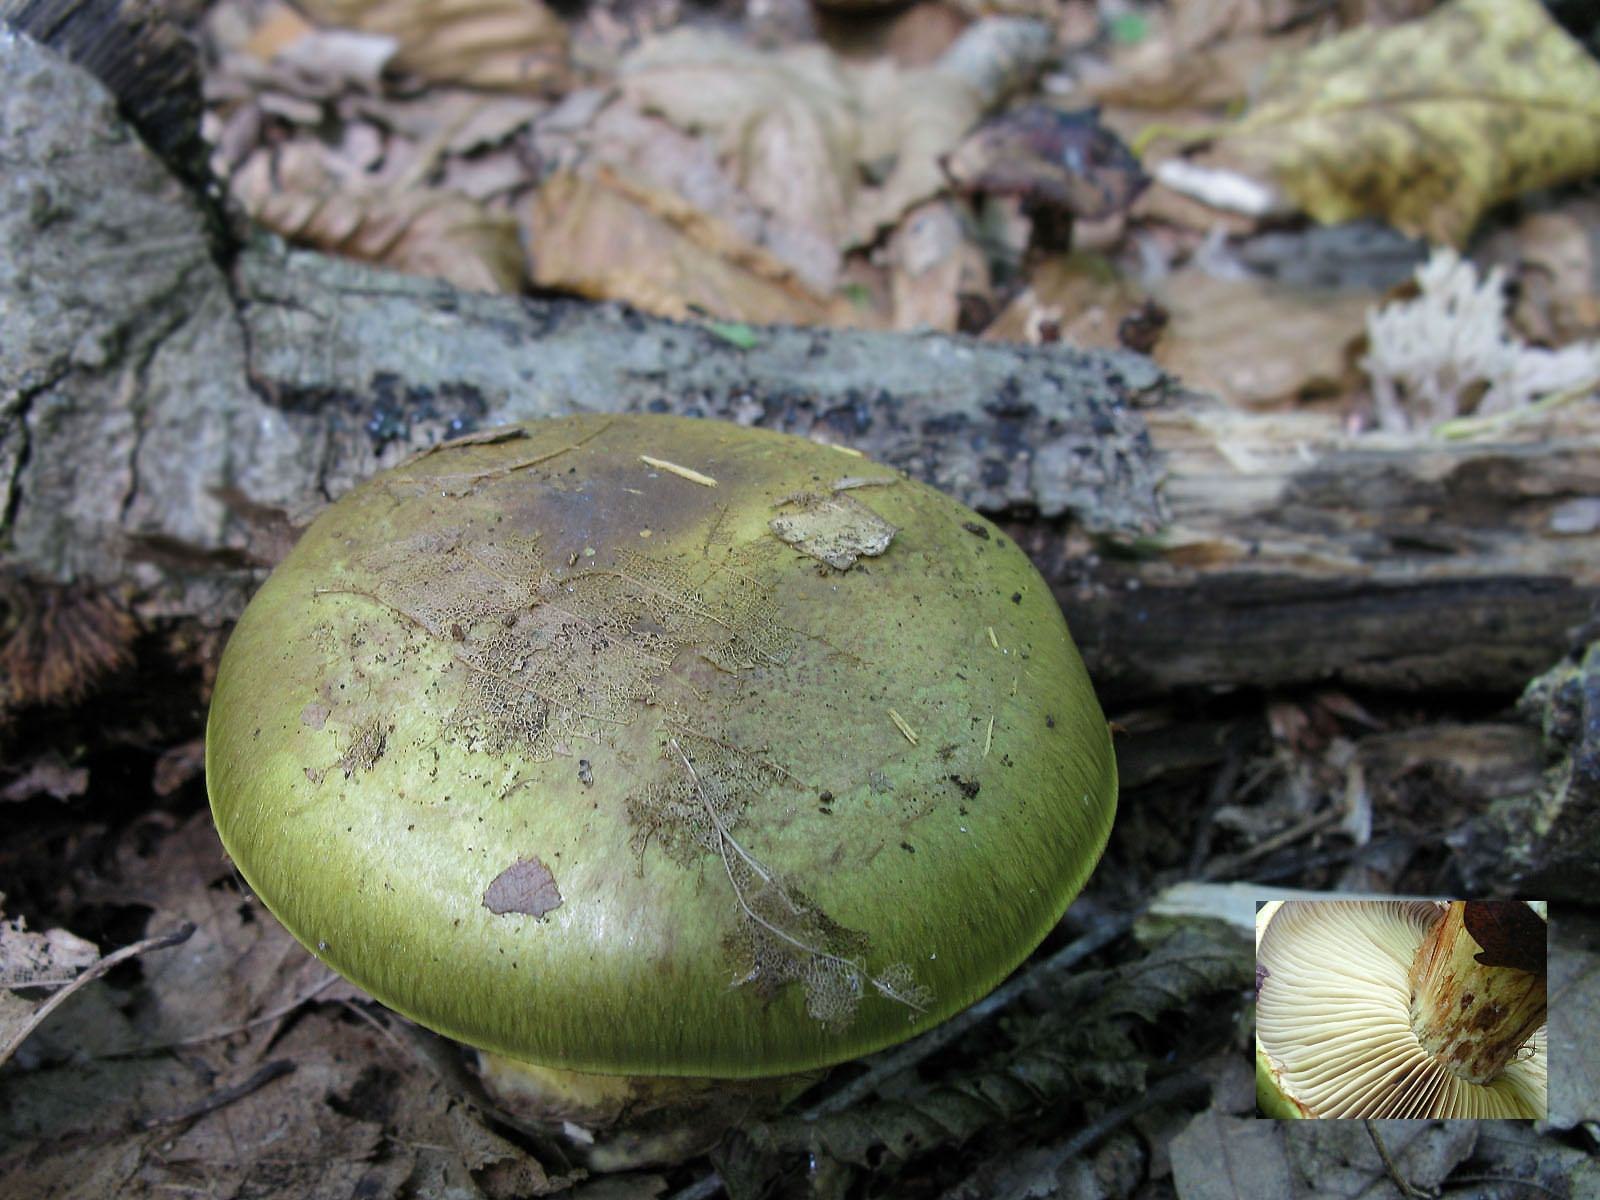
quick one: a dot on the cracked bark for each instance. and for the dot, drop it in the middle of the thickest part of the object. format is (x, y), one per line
(158, 386)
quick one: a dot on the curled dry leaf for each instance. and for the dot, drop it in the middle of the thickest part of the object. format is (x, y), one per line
(783, 122)
(652, 151)
(842, 150)
(607, 236)
(29, 960)
(1428, 123)
(932, 265)
(48, 775)
(1074, 298)
(34, 961)
(424, 231)
(1256, 343)
(513, 45)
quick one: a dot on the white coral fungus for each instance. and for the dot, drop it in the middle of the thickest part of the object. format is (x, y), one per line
(1448, 351)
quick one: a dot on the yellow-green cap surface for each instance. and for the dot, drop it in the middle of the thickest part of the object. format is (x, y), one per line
(648, 745)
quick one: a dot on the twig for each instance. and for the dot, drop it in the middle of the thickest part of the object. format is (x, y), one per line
(886, 1066)
(1173, 1087)
(222, 1099)
(283, 1010)
(378, 1026)
(681, 472)
(1500, 422)
(1047, 1163)
(1407, 1188)
(1220, 792)
(160, 942)
(1224, 867)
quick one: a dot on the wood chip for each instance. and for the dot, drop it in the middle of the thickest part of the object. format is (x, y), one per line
(691, 475)
(900, 724)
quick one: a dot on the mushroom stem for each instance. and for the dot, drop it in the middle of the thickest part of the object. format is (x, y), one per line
(622, 1122)
(1475, 1000)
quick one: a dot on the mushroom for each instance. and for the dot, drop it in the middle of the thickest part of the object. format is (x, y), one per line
(1400, 1008)
(645, 754)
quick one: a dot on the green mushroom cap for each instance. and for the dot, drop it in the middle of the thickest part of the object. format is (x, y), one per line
(656, 746)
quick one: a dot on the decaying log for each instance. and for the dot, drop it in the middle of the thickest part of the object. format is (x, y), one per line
(1295, 552)
(158, 392)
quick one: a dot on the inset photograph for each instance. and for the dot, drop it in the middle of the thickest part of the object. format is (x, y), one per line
(1401, 1009)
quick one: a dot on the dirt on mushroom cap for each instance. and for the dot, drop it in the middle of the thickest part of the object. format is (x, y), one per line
(500, 611)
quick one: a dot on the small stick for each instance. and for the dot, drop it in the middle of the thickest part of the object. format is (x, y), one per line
(900, 724)
(892, 1063)
(913, 1052)
(160, 942)
(222, 1099)
(673, 468)
(226, 1031)
(1406, 1187)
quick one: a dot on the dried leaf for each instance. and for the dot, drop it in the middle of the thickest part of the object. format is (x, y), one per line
(1077, 299)
(798, 131)
(1339, 1158)
(836, 529)
(1218, 1157)
(1254, 342)
(526, 886)
(1574, 1017)
(1429, 123)
(47, 775)
(29, 960)
(654, 152)
(495, 44)
(932, 265)
(421, 230)
(607, 236)
(1194, 961)
(784, 122)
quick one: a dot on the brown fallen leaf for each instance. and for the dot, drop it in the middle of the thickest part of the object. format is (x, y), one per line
(47, 775)
(841, 149)
(932, 266)
(1078, 299)
(178, 766)
(1201, 53)
(37, 960)
(1556, 297)
(511, 45)
(420, 230)
(1256, 343)
(783, 122)
(1429, 123)
(606, 236)
(649, 150)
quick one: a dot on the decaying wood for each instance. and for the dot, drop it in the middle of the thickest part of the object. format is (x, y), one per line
(1296, 552)
(157, 395)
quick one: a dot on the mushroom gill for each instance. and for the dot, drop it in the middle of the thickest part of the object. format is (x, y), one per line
(1334, 1021)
